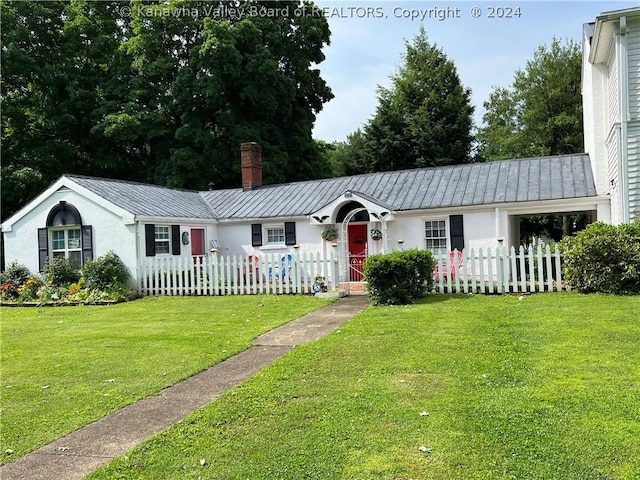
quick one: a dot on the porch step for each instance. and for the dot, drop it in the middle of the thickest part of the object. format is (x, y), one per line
(354, 288)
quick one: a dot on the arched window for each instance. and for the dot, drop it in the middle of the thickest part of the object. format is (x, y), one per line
(362, 216)
(65, 236)
(63, 215)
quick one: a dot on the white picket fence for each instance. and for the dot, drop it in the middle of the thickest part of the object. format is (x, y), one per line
(500, 270)
(483, 271)
(235, 275)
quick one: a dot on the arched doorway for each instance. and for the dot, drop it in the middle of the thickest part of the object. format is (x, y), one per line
(354, 219)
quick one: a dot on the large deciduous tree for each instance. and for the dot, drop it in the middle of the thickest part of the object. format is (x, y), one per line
(425, 117)
(541, 113)
(158, 91)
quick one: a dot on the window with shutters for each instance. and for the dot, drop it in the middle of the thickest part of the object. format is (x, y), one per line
(67, 243)
(435, 233)
(65, 236)
(275, 234)
(162, 239)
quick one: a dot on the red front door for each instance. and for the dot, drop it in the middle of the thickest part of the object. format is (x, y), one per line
(197, 241)
(357, 251)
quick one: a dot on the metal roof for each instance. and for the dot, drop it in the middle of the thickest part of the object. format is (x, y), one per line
(506, 181)
(148, 200)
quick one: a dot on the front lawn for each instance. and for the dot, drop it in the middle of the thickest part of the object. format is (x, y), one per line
(457, 387)
(63, 367)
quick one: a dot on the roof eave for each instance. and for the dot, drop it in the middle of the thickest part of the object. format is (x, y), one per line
(604, 27)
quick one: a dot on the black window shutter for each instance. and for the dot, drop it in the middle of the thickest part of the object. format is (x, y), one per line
(150, 239)
(256, 234)
(87, 243)
(456, 231)
(289, 233)
(175, 239)
(43, 248)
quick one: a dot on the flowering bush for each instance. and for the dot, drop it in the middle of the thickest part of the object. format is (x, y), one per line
(29, 290)
(61, 282)
(8, 290)
(12, 279)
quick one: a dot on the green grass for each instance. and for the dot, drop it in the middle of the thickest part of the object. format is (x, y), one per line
(63, 367)
(547, 387)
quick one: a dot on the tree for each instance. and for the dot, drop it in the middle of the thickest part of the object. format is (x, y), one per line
(161, 91)
(59, 62)
(203, 86)
(541, 113)
(425, 117)
(348, 157)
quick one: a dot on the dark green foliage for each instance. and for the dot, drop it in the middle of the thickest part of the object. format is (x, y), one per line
(348, 157)
(105, 273)
(424, 118)
(399, 277)
(125, 90)
(541, 113)
(604, 258)
(61, 272)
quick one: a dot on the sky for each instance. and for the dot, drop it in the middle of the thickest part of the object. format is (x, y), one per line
(487, 40)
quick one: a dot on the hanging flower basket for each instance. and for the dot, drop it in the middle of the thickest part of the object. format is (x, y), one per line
(376, 234)
(330, 234)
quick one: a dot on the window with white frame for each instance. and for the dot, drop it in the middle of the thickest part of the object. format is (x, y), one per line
(67, 243)
(435, 233)
(275, 234)
(162, 239)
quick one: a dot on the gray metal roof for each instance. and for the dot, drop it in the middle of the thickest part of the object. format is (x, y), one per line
(148, 200)
(507, 181)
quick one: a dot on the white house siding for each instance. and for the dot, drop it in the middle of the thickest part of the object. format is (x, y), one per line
(634, 169)
(613, 168)
(612, 89)
(633, 127)
(235, 237)
(633, 56)
(479, 228)
(593, 78)
(109, 231)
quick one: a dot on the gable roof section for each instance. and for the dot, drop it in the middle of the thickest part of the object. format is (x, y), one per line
(148, 200)
(507, 181)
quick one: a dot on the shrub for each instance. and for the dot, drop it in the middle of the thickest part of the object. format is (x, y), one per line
(105, 272)
(399, 277)
(61, 272)
(14, 277)
(603, 258)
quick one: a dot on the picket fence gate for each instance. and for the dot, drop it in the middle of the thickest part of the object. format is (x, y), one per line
(484, 271)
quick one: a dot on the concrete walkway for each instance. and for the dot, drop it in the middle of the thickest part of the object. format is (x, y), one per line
(86, 449)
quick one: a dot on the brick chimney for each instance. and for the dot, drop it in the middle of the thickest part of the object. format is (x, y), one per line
(251, 155)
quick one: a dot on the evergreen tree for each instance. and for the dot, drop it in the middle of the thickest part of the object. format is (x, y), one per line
(424, 118)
